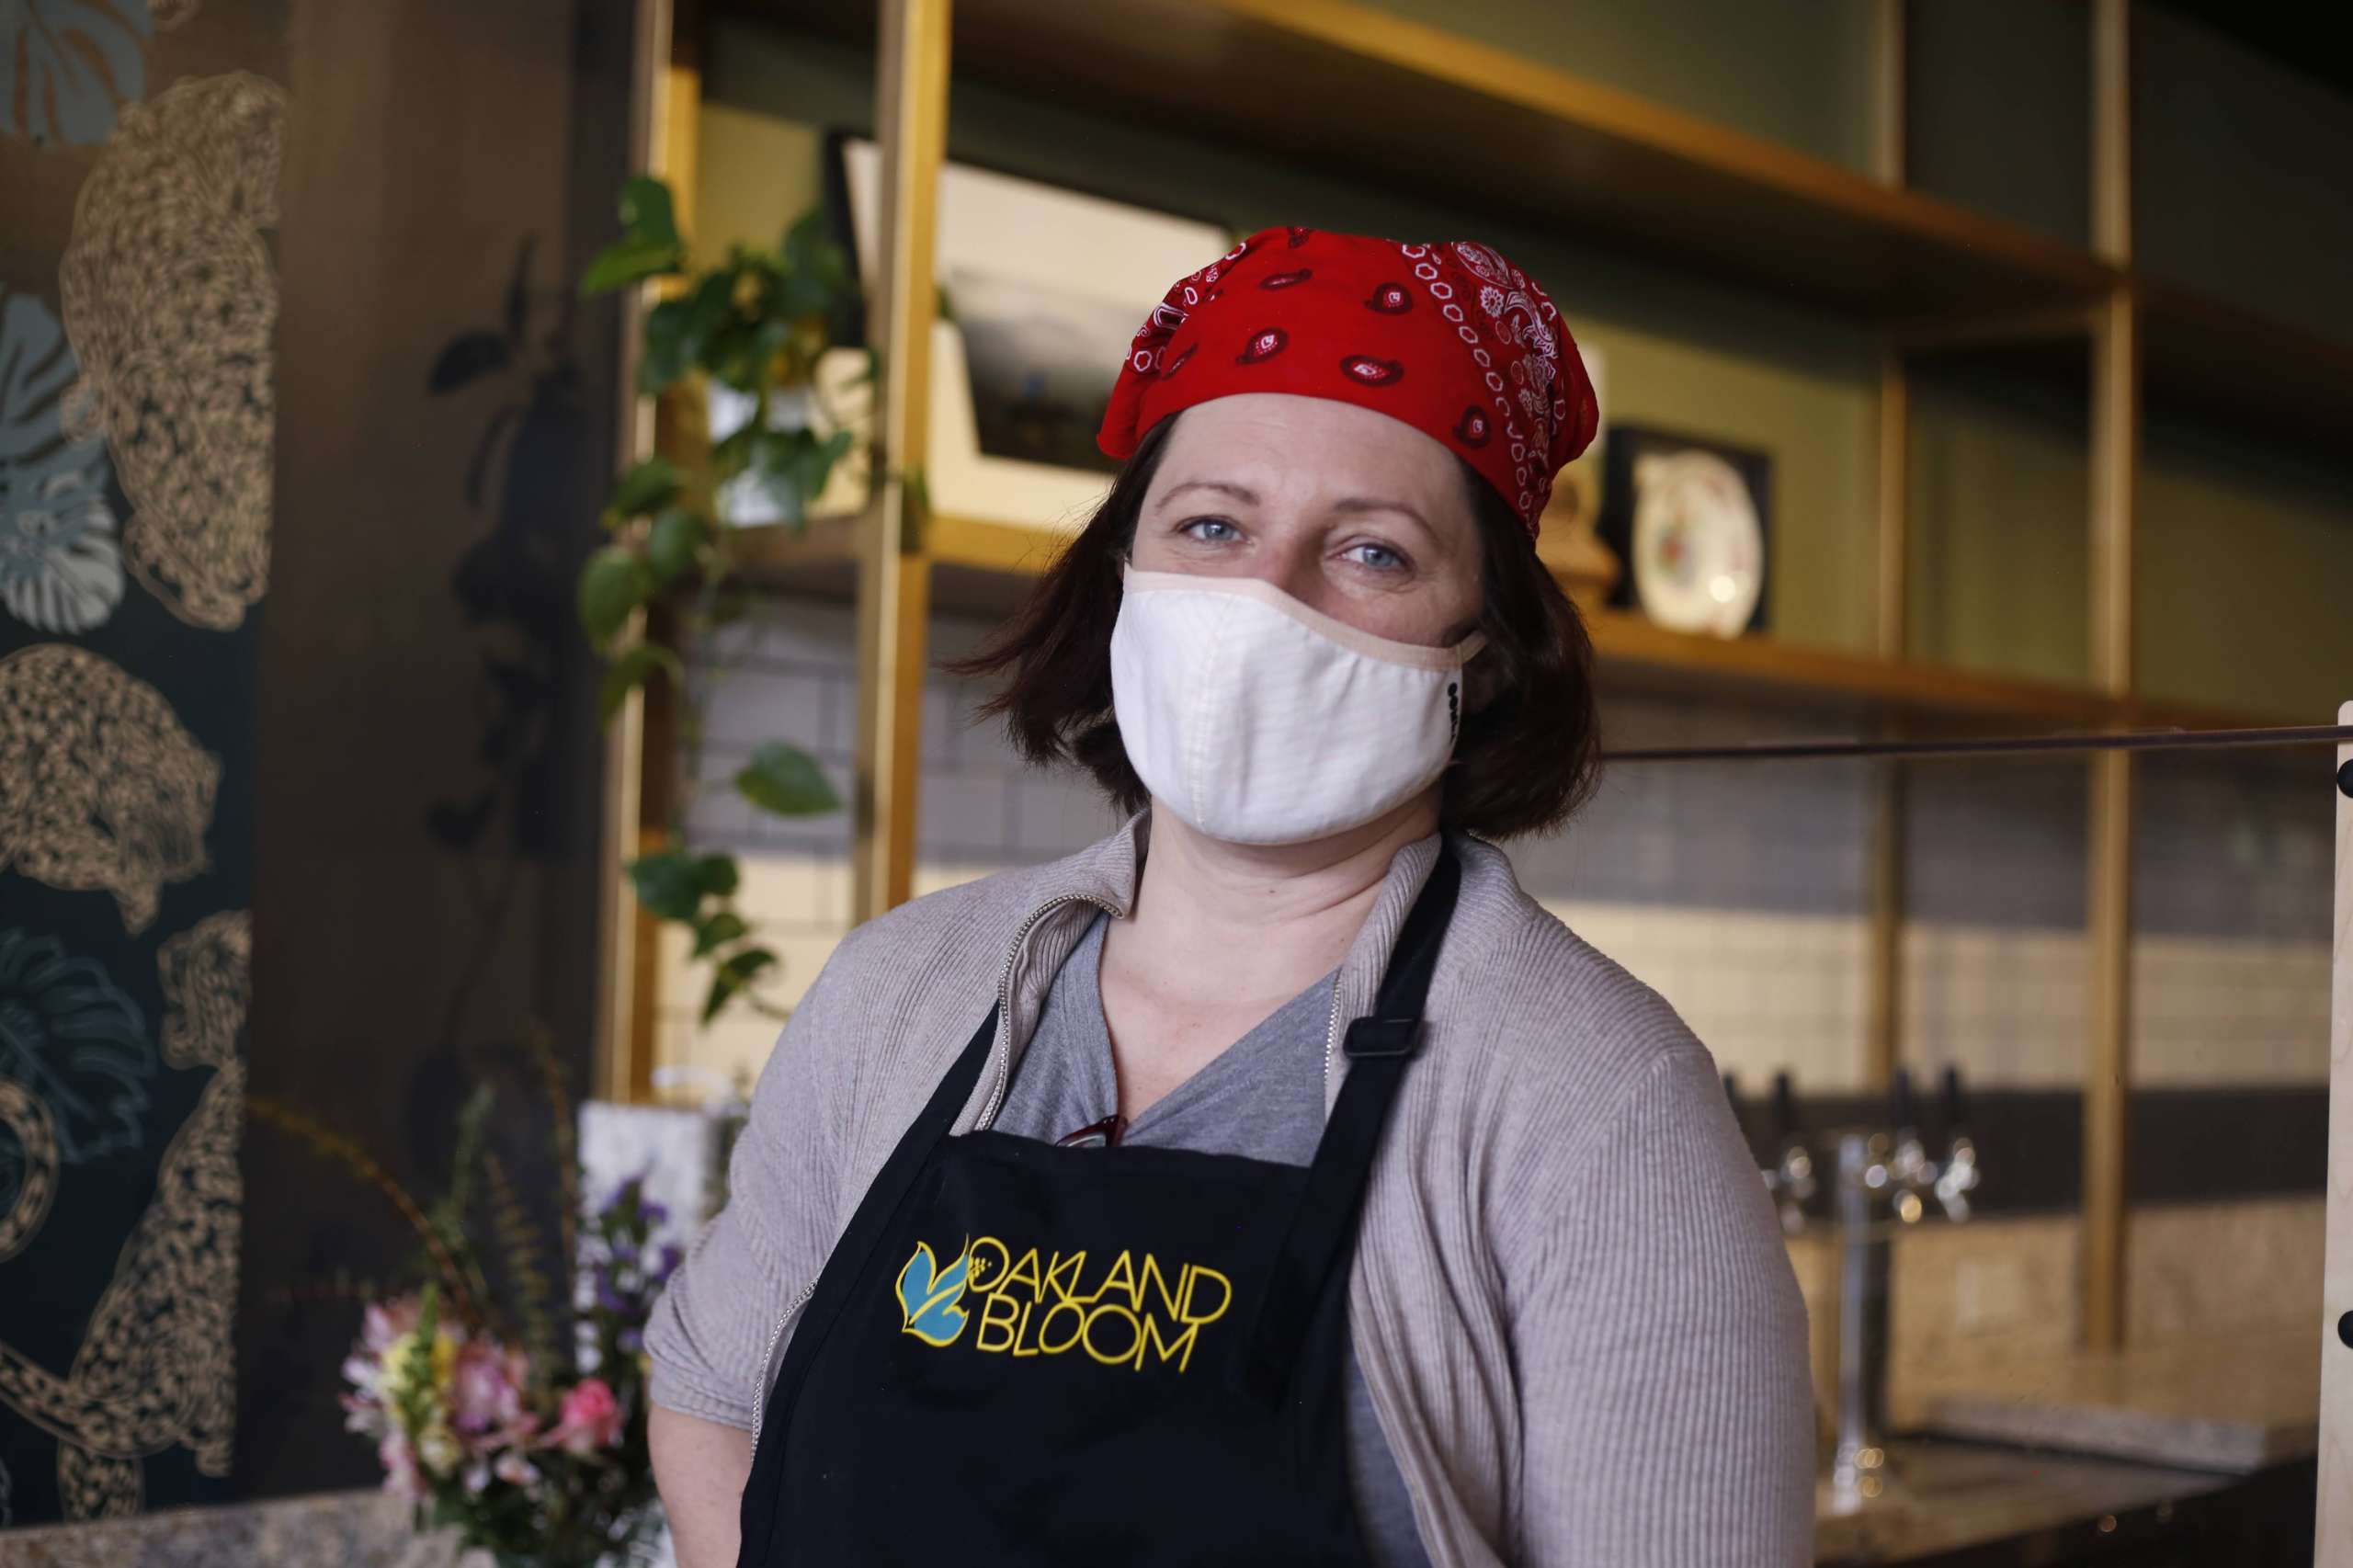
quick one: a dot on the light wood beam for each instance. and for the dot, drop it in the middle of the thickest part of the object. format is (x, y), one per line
(894, 575)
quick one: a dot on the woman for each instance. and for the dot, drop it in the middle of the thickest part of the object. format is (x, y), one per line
(1305, 1193)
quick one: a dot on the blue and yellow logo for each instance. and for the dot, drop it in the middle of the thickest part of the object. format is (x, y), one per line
(928, 1294)
(1128, 1310)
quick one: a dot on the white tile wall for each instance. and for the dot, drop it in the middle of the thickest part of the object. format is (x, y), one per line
(1735, 890)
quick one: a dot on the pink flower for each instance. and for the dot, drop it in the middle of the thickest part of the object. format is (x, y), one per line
(401, 1477)
(485, 1391)
(515, 1470)
(387, 1321)
(591, 1418)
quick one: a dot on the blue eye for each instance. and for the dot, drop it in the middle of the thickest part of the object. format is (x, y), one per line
(1193, 525)
(1380, 557)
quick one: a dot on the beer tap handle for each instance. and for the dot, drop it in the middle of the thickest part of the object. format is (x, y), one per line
(1956, 1108)
(1959, 1176)
(1791, 1180)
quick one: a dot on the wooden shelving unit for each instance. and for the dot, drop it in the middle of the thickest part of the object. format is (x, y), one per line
(984, 568)
(1359, 93)
(1364, 95)
(1602, 166)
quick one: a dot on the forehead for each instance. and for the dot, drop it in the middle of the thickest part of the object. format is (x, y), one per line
(1304, 446)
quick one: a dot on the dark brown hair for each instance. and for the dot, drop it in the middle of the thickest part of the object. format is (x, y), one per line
(1528, 754)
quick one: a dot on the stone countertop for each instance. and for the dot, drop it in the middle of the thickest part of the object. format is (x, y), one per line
(1947, 1496)
(344, 1529)
(2234, 1405)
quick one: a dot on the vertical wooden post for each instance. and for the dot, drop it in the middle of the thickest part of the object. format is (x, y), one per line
(1887, 114)
(641, 753)
(2107, 1068)
(1883, 1043)
(1883, 982)
(894, 574)
(2334, 1525)
(2112, 130)
(2115, 463)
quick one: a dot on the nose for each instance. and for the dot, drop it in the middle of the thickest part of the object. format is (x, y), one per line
(1290, 557)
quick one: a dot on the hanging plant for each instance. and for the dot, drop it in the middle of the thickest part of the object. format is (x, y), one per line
(757, 324)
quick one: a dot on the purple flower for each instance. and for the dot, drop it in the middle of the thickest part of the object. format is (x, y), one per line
(631, 1341)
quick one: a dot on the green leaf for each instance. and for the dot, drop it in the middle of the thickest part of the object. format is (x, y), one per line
(793, 466)
(614, 583)
(802, 294)
(716, 929)
(709, 308)
(630, 261)
(786, 780)
(808, 242)
(739, 970)
(669, 349)
(678, 534)
(631, 670)
(719, 874)
(647, 211)
(670, 884)
(651, 485)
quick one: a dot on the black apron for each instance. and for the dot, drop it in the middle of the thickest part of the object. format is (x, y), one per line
(1020, 1353)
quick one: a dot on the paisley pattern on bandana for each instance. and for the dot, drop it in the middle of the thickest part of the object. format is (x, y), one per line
(1463, 347)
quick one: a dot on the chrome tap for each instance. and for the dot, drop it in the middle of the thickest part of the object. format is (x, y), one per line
(1790, 1180)
(1876, 1166)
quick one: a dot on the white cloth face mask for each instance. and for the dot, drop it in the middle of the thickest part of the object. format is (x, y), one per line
(1259, 720)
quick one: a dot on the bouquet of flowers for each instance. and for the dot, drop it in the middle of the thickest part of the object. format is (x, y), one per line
(519, 1425)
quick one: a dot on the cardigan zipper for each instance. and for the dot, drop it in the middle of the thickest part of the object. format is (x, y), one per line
(768, 1388)
(988, 1112)
(1331, 1040)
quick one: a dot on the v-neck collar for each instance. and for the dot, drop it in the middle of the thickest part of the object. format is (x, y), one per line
(1081, 972)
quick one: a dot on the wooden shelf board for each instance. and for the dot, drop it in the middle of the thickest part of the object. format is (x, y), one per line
(2244, 369)
(1639, 655)
(982, 567)
(1375, 98)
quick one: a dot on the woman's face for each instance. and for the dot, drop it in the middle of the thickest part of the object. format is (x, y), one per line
(1351, 512)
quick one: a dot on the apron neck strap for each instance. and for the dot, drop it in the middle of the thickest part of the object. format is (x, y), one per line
(1322, 1240)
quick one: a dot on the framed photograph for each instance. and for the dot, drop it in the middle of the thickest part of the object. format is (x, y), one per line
(1043, 290)
(1691, 519)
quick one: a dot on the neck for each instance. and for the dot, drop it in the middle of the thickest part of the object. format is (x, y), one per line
(1265, 919)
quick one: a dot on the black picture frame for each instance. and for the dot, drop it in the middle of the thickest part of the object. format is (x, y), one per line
(1627, 445)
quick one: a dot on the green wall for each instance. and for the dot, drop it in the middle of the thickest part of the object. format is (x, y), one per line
(1796, 72)
(1997, 114)
(2000, 491)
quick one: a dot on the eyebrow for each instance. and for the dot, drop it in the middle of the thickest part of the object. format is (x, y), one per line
(1346, 504)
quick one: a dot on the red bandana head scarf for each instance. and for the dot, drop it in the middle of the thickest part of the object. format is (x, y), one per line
(1452, 339)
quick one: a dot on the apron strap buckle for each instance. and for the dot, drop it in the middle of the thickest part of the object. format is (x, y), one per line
(1370, 1037)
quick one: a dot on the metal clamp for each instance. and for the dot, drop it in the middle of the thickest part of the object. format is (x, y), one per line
(1383, 1037)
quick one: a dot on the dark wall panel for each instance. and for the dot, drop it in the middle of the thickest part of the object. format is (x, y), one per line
(430, 757)
(300, 774)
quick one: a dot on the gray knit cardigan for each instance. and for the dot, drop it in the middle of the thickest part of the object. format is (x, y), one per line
(1576, 1320)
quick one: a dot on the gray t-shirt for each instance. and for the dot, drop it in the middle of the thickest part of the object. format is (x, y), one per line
(1262, 1097)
